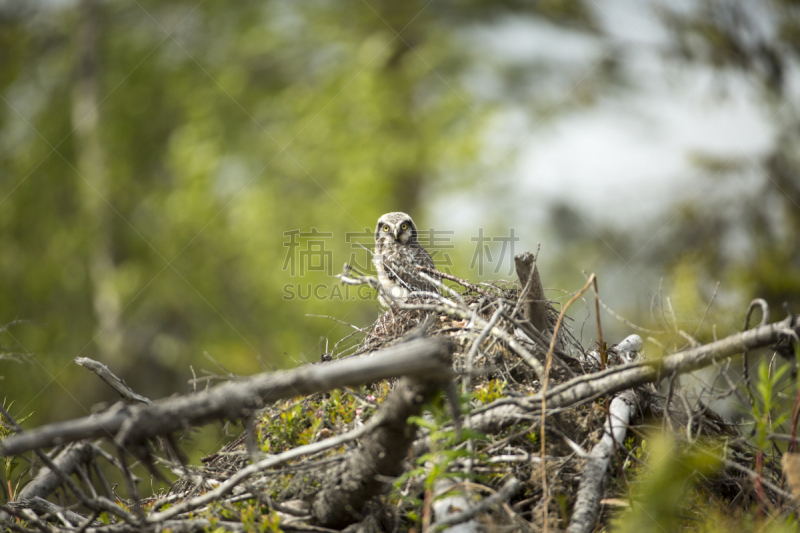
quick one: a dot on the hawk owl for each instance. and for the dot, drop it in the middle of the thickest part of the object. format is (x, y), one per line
(397, 253)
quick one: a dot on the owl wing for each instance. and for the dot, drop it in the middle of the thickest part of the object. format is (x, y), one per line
(404, 263)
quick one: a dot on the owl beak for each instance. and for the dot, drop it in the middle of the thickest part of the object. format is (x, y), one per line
(395, 234)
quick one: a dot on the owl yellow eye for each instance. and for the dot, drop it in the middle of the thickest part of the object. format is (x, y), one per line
(404, 226)
(386, 228)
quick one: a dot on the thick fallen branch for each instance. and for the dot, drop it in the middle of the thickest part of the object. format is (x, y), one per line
(236, 399)
(380, 455)
(588, 387)
(590, 491)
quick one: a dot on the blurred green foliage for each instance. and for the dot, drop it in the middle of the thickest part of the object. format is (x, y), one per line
(661, 493)
(744, 229)
(153, 155)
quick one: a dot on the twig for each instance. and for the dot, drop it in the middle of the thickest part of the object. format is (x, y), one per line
(477, 343)
(603, 354)
(542, 342)
(758, 302)
(468, 370)
(755, 476)
(509, 489)
(97, 504)
(337, 320)
(543, 391)
(708, 307)
(515, 347)
(40, 506)
(109, 377)
(626, 321)
(445, 275)
(269, 462)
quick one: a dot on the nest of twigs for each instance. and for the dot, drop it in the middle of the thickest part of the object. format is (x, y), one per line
(450, 456)
(471, 408)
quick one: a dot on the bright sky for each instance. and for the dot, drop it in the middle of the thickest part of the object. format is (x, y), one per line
(631, 149)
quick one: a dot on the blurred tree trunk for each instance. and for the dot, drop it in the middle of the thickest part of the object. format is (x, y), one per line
(95, 186)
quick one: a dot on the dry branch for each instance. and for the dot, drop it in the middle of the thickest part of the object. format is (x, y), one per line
(44, 509)
(380, 454)
(593, 478)
(585, 388)
(269, 462)
(509, 489)
(109, 377)
(448, 501)
(234, 400)
(582, 389)
(68, 461)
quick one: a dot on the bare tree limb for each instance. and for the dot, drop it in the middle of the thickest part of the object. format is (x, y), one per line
(68, 461)
(99, 504)
(618, 378)
(233, 400)
(445, 275)
(42, 507)
(579, 390)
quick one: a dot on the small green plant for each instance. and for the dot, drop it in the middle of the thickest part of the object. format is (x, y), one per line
(491, 391)
(435, 465)
(11, 464)
(765, 405)
(301, 422)
(766, 417)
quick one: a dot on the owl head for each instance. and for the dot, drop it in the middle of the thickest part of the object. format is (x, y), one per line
(395, 227)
